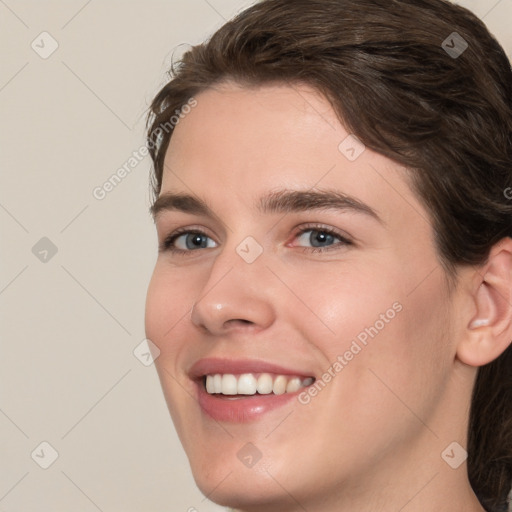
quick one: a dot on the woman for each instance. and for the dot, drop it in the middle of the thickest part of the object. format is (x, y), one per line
(332, 298)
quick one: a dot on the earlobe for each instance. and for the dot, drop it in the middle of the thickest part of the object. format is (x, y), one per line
(489, 331)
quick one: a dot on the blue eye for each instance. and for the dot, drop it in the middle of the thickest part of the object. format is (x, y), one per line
(189, 241)
(320, 238)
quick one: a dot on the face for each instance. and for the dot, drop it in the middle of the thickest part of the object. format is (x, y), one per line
(302, 261)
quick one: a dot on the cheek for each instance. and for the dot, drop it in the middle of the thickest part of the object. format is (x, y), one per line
(388, 300)
(343, 303)
(167, 304)
(166, 313)
(386, 345)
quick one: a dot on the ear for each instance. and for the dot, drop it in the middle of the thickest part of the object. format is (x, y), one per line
(489, 331)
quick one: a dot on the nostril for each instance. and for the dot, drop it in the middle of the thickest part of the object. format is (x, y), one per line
(239, 320)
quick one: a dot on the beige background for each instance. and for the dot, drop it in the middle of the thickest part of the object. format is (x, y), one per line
(70, 324)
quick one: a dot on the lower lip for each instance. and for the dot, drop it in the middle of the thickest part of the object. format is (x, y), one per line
(240, 410)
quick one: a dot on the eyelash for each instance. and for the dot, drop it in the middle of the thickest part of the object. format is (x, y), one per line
(166, 245)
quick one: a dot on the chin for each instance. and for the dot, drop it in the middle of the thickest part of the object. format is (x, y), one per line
(246, 489)
(222, 476)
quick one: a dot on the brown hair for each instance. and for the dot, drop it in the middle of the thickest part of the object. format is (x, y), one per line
(400, 80)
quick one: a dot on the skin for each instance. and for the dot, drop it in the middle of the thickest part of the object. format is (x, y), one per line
(372, 439)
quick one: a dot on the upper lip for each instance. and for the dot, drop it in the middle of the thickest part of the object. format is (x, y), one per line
(211, 366)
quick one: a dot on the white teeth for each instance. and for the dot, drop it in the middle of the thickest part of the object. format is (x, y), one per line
(217, 383)
(229, 384)
(293, 385)
(249, 384)
(279, 385)
(210, 387)
(264, 386)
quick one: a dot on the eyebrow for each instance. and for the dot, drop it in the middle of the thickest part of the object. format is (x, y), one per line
(279, 201)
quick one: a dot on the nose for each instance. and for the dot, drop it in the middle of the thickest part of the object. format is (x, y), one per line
(236, 295)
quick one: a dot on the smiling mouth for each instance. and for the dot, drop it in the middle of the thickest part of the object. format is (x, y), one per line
(245, 385)
(246, 390)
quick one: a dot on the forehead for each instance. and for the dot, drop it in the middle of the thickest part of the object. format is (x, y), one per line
(247, 141)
